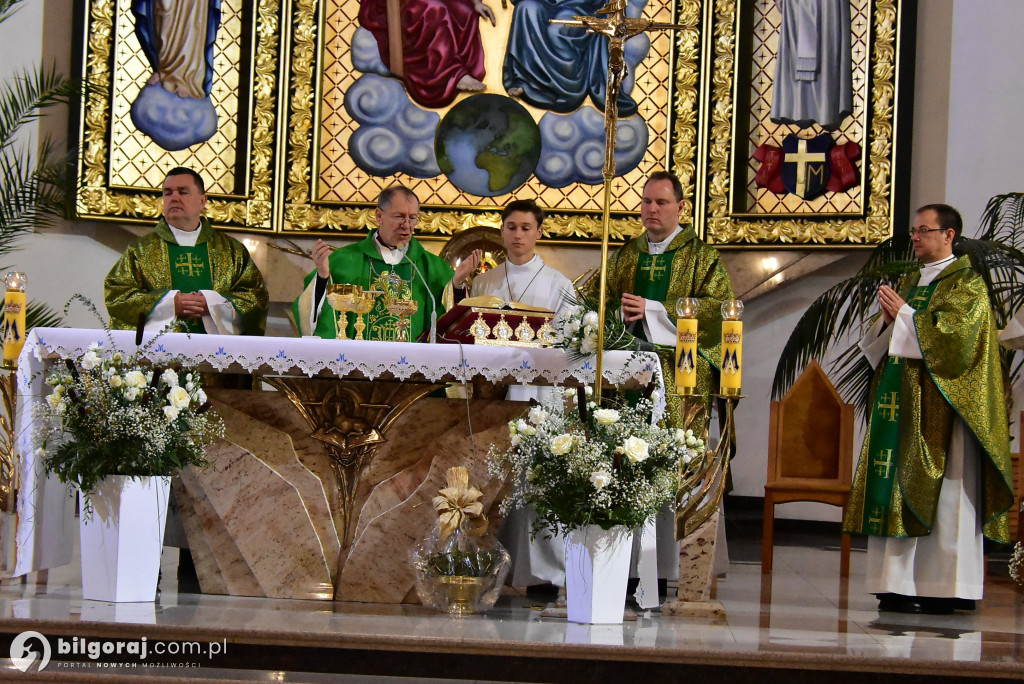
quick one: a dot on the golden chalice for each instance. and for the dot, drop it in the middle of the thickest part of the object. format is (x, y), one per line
(342, 298)
(362, 306)
(403, 308)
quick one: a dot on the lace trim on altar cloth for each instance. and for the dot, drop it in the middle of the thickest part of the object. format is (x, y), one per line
(372, 360)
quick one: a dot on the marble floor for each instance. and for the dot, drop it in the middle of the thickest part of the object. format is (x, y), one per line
(795, 624)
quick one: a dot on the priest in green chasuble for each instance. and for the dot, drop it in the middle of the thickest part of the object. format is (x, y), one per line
(186, 269)
(668, 261)
(388, 260)
(934, 473)
(649, 274)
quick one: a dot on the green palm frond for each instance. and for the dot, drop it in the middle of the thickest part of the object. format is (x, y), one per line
(39, 315)
(845, 306)
(997, 255)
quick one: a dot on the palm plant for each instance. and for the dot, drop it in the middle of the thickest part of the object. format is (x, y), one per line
(849, 306)
(35, 185)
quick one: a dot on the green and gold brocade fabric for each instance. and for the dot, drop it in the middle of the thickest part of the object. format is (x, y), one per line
(959, 376)
(144, 274)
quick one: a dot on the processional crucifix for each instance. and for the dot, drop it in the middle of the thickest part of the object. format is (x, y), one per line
(618, 28)
(699, 492)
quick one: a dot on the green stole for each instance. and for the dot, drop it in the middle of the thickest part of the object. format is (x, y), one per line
(884, 433)
(653, 275)
(191, 272)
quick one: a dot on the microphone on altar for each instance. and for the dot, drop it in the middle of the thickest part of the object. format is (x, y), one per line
(433, 301)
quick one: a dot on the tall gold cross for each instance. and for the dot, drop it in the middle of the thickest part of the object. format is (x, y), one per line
(654, 268)
(893, 406)
(618, 28)
(185, 262)
(879, 464)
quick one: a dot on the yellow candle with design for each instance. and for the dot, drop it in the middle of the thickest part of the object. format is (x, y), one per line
(732, 346)
(14, 317)
(686, 345)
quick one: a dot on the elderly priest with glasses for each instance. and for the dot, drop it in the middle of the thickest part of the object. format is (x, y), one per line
(389, 261)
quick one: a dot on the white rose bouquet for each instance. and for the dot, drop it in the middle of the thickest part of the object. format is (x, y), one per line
(593, 466)
(578, 326)
(111, 414)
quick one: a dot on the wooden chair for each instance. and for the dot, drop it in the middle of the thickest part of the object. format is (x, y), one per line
(810, 454)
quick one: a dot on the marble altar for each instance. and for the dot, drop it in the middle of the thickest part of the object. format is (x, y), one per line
(322, 488)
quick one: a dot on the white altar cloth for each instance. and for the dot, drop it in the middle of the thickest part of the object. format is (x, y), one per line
(46, 511)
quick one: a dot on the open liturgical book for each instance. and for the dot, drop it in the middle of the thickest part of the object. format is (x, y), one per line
(489, 319)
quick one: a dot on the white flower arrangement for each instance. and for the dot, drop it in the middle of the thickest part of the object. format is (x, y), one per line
(604, 466)
(1017, 564)
(113, 414)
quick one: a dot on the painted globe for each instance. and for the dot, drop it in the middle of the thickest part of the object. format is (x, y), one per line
(488, 145)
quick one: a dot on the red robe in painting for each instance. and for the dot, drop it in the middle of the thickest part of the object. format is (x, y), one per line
(442, 44)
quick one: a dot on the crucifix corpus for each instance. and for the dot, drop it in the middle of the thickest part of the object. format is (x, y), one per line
(612, 23)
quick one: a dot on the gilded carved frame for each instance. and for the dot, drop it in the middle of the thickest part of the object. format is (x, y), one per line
(242, 196)
(305, 212)
(278, 144)
(885, 159)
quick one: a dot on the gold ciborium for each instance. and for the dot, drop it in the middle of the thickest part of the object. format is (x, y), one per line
(403, 308)
(343, 297)
(362, 306)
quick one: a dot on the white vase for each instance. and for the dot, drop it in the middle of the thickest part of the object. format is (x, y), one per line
(122, 538)
(596, 572)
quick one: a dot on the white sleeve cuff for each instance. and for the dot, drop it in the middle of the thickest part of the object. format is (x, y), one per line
(223, 318)
(904, 340)
(658, 327)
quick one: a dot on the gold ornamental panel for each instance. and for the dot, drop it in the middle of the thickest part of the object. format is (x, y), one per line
(327, 191)
(745, 55)
(121, 168)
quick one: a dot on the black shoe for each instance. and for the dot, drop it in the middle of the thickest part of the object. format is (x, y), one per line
(937, 606)
(898, 603)
(964, 604)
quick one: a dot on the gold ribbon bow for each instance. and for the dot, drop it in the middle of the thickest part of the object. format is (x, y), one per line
(459, 502)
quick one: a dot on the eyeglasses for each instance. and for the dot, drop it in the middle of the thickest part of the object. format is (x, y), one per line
(921, 231)
(410, 220)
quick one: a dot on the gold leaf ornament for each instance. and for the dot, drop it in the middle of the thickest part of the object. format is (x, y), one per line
(459, 502)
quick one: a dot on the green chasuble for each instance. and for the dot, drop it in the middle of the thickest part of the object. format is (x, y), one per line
(687, 268)
(362, 264)
(147, 271)
(896, 485)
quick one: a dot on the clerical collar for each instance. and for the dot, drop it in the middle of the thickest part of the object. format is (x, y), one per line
(660, 247)
(390, 255)
(534, 263)
(940, 262)
(185, 238)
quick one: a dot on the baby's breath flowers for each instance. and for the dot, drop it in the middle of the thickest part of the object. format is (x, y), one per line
(107, 415)
(617, 468)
